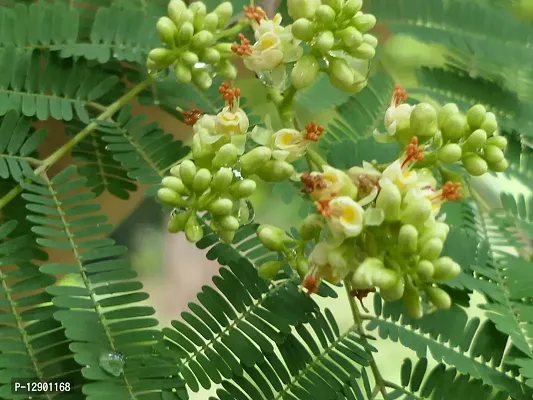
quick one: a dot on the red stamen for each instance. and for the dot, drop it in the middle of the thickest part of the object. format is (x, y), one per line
(255, 13)
(399, 95)
(311, 284)
(323, 207)
(413, 152)
(229, 94)
(361, 294)
(191, 117)
(313, 131)
(450, 191)
(242, 49)
(312, 183)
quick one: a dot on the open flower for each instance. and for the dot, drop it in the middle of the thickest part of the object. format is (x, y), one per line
(397, 116)
(328, 184)
(400, 172)
(205, 128)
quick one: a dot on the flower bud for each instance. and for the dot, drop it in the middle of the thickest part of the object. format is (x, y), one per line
(201, 181)
(364, 52)
(440, 230)
(210, 56)
(193, 230)
(492, 154)
(411, 301)
(371, 40)
(243, 188)
(269, 269)
(220, 207)
(351, 7)
(304, 72)
(445, 268)
(183, 73)
(224, 12)
(425, 270)
(416, 213)
(175, 171)
(275, 171)
(325, 14)
(325, 42)
(175, 8)
(187, 171)
(273, 238)
(175, 184)
(302, 29)
(408, 238)
(166, 31)
(364, 275)
(211, 22)
(302, 8)
(438, 297)
(394, 292)
(226, 156)
(170, 197)
(161, 55)
(311, 227)
(302, 266)
(202, 79)
(350, 37)
(490, 124)
(476, 139)
(202, 39)
(431, 249)
(226, 236)
(229, 223)
(221, 180)
(447, 111)
(475, 165)
(389, 200)
(336, 5)
(475, 116)
(189, 58)
(499, 166)
(227, 70)
(364, 22)
(340, 73)
(454, 128)
(450, 153)
(186, 16)
(177, 221)
(498, 141)
(423, 120)
(185, 33)
(200, 12)
(254, 159)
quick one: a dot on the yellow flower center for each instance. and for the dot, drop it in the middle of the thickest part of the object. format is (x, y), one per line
(286, 139)
(267, 42)
(349, 215)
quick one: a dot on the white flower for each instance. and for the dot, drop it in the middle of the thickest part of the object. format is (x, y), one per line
(268, 25)
(400, 175)
(205, 128)
(288, 145)
(397, 117)
(347, 216)
(328, 262)
(336, 182)
(232, 122)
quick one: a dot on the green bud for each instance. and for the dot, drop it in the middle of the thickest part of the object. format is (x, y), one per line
(325, 42)
(243, 188)
(389, 200)
(269, 269)
(350, 8)
(227, 70)
(275, 171)
(210, 56)
(325, 14)
(371, 40)
(304, 72)
(364, 52)
(340, 74)
(202, 79)
(490, 124)
(175, 171)
(189, 58)
(161, 55)
(445, 268)
(408, 238)
(394, 292)
(336, 5)
(224, 49)
(200, 12)
(224, 12)
(363, 276)
(226, 236)
(431, 249)
(476, 139)
(229, 223)
(178, 221)
(302, 266)
(492, 154)
(416, 213)
(440, 230)
(447, 111)
(226, 156)
(211, 22)
(475, 165)
(170, 197)
(254, 159)
(175, 8)
(425, 270)
(175, 184)
(311, 227)
(186, 16)
(498, 141)
(220, 207)
(499, 166)
(187, 172)
(423, 120)
(450, 153)
(193, 229)
(475, 116)
(350, 37)
(364, 22)
(166, 31)
(201, 181)
(185, 33)
(411, 301)
(202, 39)
(183, 73)
(302, 29)
(454, 128)
(221, 180)
(438, 297)
(273, 238)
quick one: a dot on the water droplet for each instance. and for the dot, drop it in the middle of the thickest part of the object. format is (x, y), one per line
(250, 211)
(112, 362)
(237, 174)
(160, 75)
(177, 210)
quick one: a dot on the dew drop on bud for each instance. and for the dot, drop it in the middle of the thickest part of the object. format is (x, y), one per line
(177, 210)
(112, 362)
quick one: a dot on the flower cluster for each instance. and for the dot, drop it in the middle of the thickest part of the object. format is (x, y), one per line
(189, 34)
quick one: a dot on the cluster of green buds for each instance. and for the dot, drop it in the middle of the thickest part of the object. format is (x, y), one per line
(221, 175)
(190, 37)
(451, 135)
(337, 33)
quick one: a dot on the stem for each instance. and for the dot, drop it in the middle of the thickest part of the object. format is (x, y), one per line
(63, 150)
(285, 108)
(359, 322)
(315, 158)
(233, 30)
